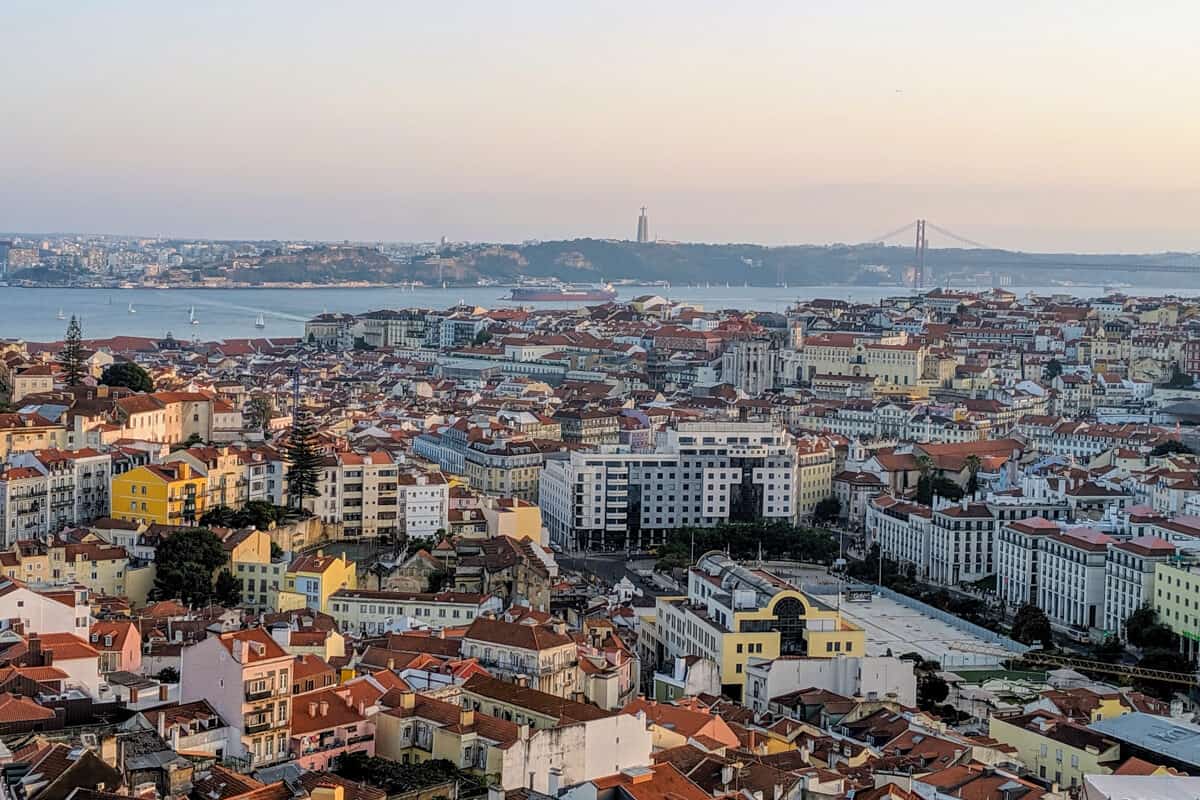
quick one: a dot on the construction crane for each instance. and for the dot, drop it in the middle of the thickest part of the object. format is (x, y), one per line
(1042, 657)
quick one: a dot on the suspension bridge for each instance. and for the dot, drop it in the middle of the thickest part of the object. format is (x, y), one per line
(916, 233)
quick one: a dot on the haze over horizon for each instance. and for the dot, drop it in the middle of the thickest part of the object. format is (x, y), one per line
(1066, 127)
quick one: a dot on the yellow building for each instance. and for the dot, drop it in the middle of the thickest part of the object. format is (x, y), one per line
(249, 560)
(422, 728)
(511, 516)
(1176, 587)
(814, 473)
(1056, 750)
(169, 494)
(316, 577)
(734, 613)
(21, 433)
(102, 568)
(223, 470)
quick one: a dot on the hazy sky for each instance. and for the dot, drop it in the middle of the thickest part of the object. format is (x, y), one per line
(1033, 125)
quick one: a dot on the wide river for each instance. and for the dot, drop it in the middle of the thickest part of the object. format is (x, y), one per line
(33, 314)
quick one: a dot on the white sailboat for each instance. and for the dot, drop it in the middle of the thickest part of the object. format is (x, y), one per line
(132, 310)
(192, 316)
(61, 315)
(261, 322)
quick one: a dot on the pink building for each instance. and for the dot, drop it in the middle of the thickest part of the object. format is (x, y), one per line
(329, 722)
(120, 646)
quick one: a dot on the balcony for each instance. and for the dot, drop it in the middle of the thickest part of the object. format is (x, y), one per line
(321, 747)
(258, 727)
(362, 737)
(259, 694)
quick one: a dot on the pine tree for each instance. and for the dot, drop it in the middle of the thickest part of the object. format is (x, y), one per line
(71, 355)
(303, 453)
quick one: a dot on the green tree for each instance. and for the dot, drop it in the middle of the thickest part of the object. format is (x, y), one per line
(1052, 369)
(1171, 447)
(258, 413)
(168, 675)
(827, 510)
(1144, 630)
(276, 552)
(129, 375)
(305, 458)
(932, 690)
(1179, 379)
(482, 338)
(973, 464)
(185, 563)
(1032, 626)
(71, 355)
(227, 591)
(1168, 659)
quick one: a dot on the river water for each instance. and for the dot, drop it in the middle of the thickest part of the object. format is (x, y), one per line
(32, 314)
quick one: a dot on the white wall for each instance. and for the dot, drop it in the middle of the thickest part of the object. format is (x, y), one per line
(583, 752)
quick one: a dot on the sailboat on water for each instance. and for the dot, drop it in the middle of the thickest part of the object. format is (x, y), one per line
(132, 310)
(192, 316)
(60, 315)
(261, 322)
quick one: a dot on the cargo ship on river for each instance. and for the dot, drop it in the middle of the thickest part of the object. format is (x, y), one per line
(560, 293)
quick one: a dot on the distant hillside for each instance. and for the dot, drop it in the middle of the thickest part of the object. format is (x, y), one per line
(324, 264)
(594, 259)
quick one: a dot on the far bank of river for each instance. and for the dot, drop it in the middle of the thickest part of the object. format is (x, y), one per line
(32, 313)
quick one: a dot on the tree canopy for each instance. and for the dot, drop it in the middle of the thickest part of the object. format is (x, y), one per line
(304, 455)
(185, 563)
(827, 510)
(745, 540)
(1032, 626)
(1171, 447)
(71, 355)
(396, 778)
(258, 513)
(129, 375)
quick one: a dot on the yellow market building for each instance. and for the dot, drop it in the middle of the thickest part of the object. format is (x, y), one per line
(733, 613)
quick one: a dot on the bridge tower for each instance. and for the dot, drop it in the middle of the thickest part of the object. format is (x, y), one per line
(919, 255)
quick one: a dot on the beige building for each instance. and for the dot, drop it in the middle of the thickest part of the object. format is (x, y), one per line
(246, 676)
(814, 474)
(1056, 750)
(510, 516)
(543, 656)
(892, 360)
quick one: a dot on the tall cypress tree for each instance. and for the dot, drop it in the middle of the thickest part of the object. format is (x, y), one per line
(303, 453)
(71, 355)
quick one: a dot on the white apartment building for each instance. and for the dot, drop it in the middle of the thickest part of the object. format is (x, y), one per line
(365, 612)
(1129, 578)
(57, 610)
(902, 531)
(1071, 575)
(45, 491)
(956, 542)
(426, 503)
(368, 495)
(700, 473)
(961, 546)
(1018, 547)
